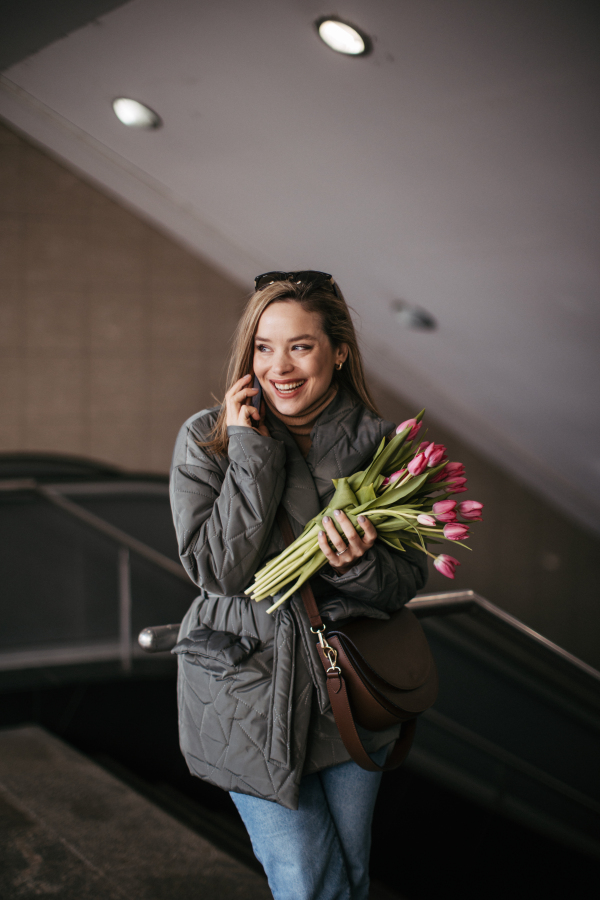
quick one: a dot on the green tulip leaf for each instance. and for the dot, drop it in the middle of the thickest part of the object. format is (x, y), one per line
(379, 449)
(389, 498)
(344, 495)
(392, 541)
(436, 470)
(394, 525)
(366, 494)
(385, 459)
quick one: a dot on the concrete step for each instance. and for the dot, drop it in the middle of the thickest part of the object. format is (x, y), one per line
(71, 830)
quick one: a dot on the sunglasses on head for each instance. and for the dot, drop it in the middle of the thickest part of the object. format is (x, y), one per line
(307, 277)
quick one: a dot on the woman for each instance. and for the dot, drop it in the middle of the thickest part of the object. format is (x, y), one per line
(253, 708)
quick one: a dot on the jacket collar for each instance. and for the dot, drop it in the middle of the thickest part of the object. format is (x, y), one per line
(300, 497)
(344, 438)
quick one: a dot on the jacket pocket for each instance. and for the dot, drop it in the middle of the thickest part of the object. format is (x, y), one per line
(215, 651)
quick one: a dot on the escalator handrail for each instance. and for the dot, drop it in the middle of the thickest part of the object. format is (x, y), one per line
(53, 495)
(113, 533)
(164, 637)
(462, 601)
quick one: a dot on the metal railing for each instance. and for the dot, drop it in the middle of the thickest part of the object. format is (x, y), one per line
(126, 546)
(164, 637)
(450, 602)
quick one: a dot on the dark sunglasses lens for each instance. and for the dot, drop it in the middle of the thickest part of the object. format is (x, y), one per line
(311, 277)
(316, 280)
(262, 281)
(308, 277)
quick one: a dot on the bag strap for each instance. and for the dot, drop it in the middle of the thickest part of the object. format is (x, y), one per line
(336, 684)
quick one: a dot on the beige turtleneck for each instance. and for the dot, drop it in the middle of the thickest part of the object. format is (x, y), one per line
(302, 425)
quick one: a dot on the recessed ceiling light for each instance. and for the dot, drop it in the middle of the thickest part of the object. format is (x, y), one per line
(135, 114)
(413, 316)
(343, 37)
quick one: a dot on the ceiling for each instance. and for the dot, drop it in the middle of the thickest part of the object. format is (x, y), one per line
(455, 168)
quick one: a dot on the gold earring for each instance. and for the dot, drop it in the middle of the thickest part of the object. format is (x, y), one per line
(339, 366)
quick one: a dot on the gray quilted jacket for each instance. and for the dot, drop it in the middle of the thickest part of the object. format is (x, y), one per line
(253, 709)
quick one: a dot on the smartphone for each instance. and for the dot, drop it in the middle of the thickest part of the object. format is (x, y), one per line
(257, 399)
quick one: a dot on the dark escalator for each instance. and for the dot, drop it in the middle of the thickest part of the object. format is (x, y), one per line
(501, 793)
(88, 557)
(504, 777)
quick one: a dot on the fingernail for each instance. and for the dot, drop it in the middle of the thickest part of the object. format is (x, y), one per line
(361, 519)
(337, 512)
(321, 534)
(326, 520)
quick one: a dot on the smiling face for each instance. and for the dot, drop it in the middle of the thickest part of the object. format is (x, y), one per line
(293, 357)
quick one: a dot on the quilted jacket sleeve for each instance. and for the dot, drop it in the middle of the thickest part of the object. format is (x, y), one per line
(381, 582)
(224, 513)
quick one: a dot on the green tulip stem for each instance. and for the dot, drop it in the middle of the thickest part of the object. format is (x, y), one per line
(268, 574)
(310, 570)
(267, 587)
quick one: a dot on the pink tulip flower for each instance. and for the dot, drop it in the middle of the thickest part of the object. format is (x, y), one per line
(450, 470)
(456, 532)
(427, 447)
(446, 564)
(441, 476)
(457, 485)
(436, 456)
(426, 520)
(431, 448)
(471, 509)
(415, 426)
(395, 476)
(417, 465)
(444, 510)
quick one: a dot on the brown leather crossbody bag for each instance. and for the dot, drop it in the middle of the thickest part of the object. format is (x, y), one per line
(380, 673)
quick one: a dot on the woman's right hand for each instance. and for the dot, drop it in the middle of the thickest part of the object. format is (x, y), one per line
(238, 401)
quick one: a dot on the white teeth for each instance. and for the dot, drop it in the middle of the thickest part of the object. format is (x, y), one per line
(285, 388)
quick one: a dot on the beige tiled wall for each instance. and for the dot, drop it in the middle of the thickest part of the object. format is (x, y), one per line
(111, 334)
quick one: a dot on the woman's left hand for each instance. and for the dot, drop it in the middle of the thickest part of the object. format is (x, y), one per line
(345, 553)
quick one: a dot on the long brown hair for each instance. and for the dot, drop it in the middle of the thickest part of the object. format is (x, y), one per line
(336, 322)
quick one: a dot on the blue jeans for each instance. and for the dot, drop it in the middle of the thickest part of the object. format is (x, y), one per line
(321, 850)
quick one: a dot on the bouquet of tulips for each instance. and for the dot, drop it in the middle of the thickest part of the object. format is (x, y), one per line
(405, 493)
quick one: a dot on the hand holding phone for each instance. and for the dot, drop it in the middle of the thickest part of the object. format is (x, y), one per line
(244, 405)
(257, 403)
(257, 399)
